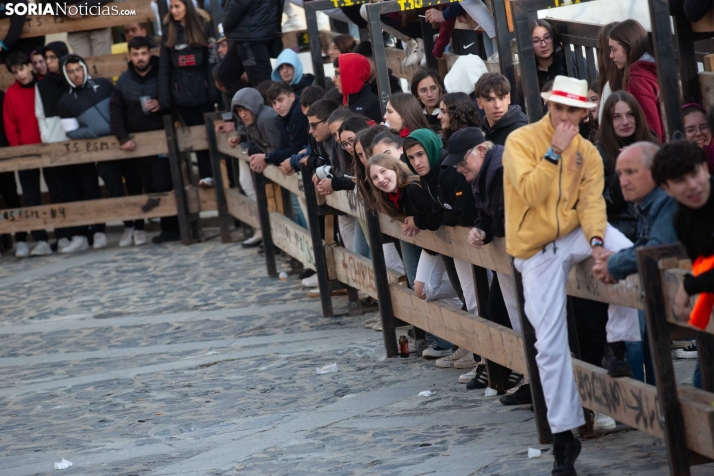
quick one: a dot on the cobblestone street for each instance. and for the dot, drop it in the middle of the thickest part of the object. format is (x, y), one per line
(173, 360)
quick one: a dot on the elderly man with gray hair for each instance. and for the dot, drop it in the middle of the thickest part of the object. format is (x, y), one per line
(656, 211)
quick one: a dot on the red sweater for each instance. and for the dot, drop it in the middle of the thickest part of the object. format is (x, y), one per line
(21, 127)
(644, 87)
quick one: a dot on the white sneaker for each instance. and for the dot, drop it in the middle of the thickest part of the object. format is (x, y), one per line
(310, 282)
(62, 243)
(422, 62)
(465, 362)
(41, 249)
(254, 241)
(78, 243)
(22, 250)
(369, 323)
(294, 23)
(466, 378)
(100, 241)
(689, 352)
(126, 237)
(377, 326)
(448, 361)
(139, 237)
(206, 182)
(414, 53)
(603, 422)
(432, 352)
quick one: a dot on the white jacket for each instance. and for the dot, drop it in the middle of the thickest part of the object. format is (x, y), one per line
(51, 129)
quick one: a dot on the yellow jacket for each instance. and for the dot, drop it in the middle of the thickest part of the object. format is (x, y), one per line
(544, 201)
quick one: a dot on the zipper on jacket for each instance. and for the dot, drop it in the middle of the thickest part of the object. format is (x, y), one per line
(560, 194)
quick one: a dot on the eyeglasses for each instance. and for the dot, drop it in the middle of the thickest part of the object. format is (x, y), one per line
(702, 129)
(313, 125)
(545, 40)
(348, 143)
(463, 162)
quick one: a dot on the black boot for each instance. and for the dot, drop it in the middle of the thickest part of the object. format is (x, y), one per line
(615, 360)
(521, 396)
(565, 454)
(166, 236)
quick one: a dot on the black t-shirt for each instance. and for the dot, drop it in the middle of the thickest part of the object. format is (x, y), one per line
(695, 229)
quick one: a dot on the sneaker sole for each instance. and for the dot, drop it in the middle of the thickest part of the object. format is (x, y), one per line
(465, 365)
(445, 365)
(686, 355)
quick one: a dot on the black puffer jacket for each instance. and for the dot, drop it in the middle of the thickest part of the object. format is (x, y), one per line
(252, 21)
(509, 122)
(186, 71)
(125, 108)
(416, 202)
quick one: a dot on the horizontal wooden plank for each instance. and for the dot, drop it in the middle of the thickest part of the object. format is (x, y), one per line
(636, 404)
(394, 62)
(88, 212)
(292, 239)
(346, 202)
(41, 25)
(242, 207)
(26, 157)
(357, 271)
(201, 199)
(191, 138)
(474, 333)
(670, 284)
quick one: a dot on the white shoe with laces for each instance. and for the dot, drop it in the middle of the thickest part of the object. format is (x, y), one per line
(139, 237)
(310, 282)
(78, 243)
(41, 249)
(432, 352)
(466, 378)
(603, 422)
(22, 250)
(62, 243)
(414, 53)
(100, 241)
(448, 361)
(126, 237)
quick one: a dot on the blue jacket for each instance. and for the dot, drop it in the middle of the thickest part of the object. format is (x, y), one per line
(300, 80)
(296, 125)
(654, 227)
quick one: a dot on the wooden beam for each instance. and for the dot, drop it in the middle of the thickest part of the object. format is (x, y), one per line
(671, 279)
(357, 271)
(88, 212)
(27, 157)
(299, 40)
(201, 199)
(242, 207)
(292, 239)
(394, 62)
(347, 203)
(41, 25)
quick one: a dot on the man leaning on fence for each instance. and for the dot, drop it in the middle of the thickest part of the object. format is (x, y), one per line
(134, 107)
(555, 218)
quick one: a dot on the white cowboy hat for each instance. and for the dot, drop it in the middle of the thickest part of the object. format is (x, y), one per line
(569, 91)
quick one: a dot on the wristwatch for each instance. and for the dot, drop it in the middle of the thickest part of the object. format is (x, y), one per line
(552, 156)
(596, 241)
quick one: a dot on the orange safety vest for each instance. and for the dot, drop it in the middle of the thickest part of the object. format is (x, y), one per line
(702, 311)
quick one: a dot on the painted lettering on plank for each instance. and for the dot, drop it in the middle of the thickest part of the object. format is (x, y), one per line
(33, 214)
(89, 146)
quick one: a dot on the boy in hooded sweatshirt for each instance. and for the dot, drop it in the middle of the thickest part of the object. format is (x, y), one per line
(352, 73)
(21, 129)
(288, 68)
(493, 95)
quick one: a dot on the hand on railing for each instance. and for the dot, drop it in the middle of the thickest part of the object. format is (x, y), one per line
(128, 146)
(257, 163)
(409, 228)
(286, 168)
(600, 269)
(476, 237)
(225, 127)
(324, 187)
(233, 141)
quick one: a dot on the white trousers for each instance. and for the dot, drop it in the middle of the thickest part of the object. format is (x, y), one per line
(246, 179)
(466, 279)
(508, 290)
(432, 272)
(392, 258)
(347, 230)
(544, 277)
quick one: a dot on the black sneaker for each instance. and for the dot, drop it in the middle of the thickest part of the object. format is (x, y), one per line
(615, 360)
(565, 456)
(522, 396)
(480, 381)
(689, 352)
(306, 274)
(166, 236)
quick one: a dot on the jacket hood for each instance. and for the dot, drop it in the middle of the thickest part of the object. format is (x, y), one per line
(354, 73)
(250, 99)
(514, 115)
(59, 48)
(464, 73)
(287, 56)
(432, 145)
(74, 59)
(644, 67)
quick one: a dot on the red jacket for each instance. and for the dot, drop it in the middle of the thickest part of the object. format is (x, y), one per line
(21, 127)
(644, 87)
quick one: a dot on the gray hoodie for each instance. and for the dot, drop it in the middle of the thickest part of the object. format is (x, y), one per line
(267, 131)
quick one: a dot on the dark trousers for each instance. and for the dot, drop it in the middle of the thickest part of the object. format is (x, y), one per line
(155, 177)
(193, 116)
(117, 173)
(74, 183)
(53, 178)
(590, 322)
(8, 189)
(496, 310)
(31, 197)
(253, 58)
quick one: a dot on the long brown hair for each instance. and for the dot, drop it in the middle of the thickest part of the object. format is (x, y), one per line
(606, 135)
(633, 38)
(462, 113)
(195, 23)
(404, 177)
(410, 111)
(364, 138)
(607, 69)
(344, 43)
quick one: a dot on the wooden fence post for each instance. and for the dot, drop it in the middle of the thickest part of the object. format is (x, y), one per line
(189, 232)
(221, 204)
(264, 216)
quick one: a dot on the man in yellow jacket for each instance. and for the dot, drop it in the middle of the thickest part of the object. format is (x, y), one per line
(555, 218)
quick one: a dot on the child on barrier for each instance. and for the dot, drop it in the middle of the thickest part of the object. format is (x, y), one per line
(680, 168)
(428, 88)
(631, 52)
(265, 132)
(555, 217)
(452, 194)
(404, 114)
(288, 68)
(21, 128)
(480, 162)
(457, 112)
(352, 72)
(493, 96)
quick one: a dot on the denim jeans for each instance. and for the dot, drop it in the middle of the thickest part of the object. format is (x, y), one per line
(639, 357)
(298, 216)
(361, 245)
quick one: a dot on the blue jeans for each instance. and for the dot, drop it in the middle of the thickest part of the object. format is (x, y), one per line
(410, 256)
(361, 244)
(298, 216)
(639, 356)
(489, 45)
